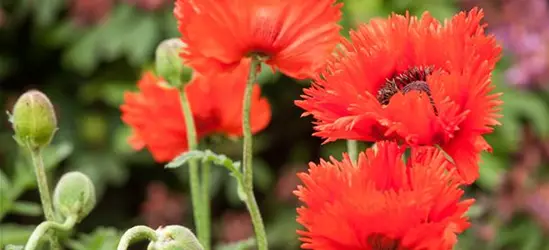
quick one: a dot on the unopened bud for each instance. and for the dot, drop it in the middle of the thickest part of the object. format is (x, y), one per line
(175, 237)
(33, 119)
(74, 195)
(169, 64)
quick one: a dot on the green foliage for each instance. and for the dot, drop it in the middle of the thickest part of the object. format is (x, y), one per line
(101, 238)
(85, 69)
(217, 159)
(23, 179)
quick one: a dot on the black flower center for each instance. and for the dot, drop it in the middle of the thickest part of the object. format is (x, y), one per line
(381, 242)
(412, 79)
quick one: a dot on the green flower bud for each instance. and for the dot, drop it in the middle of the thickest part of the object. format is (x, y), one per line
(168, 63)
(74, 195)
(175, 237)
(33, 119)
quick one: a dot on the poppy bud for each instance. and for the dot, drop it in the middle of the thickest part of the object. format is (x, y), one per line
(175, 237)
(33, 120)
(74, 195)
(168, 63)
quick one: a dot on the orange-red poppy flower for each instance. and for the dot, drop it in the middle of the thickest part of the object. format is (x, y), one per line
(381, 203)
(415, 81)
(156, 117)
(296, 36)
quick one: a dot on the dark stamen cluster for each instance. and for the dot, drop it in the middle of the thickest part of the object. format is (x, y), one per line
(380, 242)
(413, 79)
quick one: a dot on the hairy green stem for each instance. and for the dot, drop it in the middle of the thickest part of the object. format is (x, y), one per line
(43, 189)
(136, 233)
(251, 203)
(41, 229)
(205, 191)
(199, 210)
(352, 148)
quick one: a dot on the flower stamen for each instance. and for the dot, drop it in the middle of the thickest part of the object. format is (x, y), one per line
(413, 79)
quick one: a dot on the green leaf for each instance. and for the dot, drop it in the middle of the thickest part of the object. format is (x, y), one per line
(46, 11)
(14, 247)
(5, 182)
(119, 22)
(52, 156)
(5, 193)
(239, 245)
(206, 156)
(217, 159)
(14, 234)
(55, 154)
(83, 55)
(263, 175)
(65, 32)
(491, 171)
(100, 239)
(141, 39)
(26, 208)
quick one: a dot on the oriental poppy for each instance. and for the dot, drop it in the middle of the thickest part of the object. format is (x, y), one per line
(381, 203)
(156, 117)
(295, 36)
(415, 81)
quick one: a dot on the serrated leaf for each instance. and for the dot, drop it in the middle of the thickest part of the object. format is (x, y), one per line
(217, 159)
(206, 155)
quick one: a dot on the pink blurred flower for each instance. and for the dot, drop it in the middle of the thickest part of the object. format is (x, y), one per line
(162, 207)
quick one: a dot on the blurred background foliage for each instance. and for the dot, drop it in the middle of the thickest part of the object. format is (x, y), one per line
(86, 53)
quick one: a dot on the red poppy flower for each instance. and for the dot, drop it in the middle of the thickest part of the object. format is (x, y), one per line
(381, 203)
(414, 81)
(156, 116)
(296, 36)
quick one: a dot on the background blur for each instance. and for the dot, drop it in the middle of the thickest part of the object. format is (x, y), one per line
(85, 53)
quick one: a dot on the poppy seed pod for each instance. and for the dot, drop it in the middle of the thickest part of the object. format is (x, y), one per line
(74, 195)
(175, 237)
(168, 63)
(33, 119)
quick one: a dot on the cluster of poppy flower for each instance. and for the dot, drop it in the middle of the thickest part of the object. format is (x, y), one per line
(403, 82)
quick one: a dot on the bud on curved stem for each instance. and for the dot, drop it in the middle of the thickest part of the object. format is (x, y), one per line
(41, 229)
(175, 237)
(74, 195)
(136, 233)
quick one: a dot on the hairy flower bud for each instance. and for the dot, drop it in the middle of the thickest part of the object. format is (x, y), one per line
(33, 119)
(175, 237)
(74, 195)
(168, 63)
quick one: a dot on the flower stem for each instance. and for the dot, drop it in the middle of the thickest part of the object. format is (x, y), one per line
(205, 191)
(199, 210)
(352, 148)
(41, 229)
(43, 189)
(136, 233)
(251, 203)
